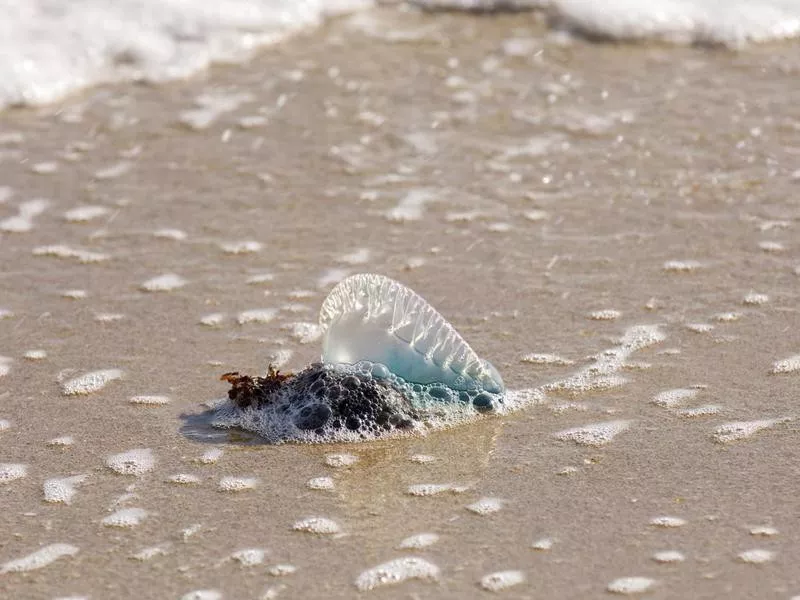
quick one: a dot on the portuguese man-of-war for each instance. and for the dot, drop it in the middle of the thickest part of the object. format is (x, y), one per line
(391, 364)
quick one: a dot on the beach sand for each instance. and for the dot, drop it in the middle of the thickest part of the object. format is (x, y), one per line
(545, 194)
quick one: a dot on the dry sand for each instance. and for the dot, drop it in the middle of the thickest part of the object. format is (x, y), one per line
(520, 196)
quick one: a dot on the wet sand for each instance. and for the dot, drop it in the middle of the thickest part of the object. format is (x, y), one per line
(519, 195)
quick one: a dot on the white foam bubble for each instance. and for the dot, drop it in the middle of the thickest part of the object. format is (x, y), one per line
(44, 168)
(12, 471)
(5, 425)
(543, 544)
(149, 400)
(211, 456)
(281, 570)
(755, 299)
(190, 531)
(212, 320)
(765, 530)
(164, 283)
(108, 317)
(22, 222)
(170, 234)
(64, 251)
(113, 171)
(84, 214)
(700, 411)
(502, 580)
(630, 585)
(39, 559)
(150, 553)
(422, 459)
(238, 484)
(357, 257)
(757, 556)
(667, 522)
(62, 489)
(241, 247)
(340, 460)
(90, 382)
(787, 365)
(411, 207)
(740, 430)
(134, 462)
(434, 489)
(486, 506)
(682, 266)
(75, 294)
(260, 278)
(202, 595)
(184, 479)
(5, 365)
(674, 398)
(249, 557)
(396, 571)
(727, 317)
(669, 556)
(319, 525)
(305, 333)
(320, 483)
(419, 541)
(5, 313)
(595, 434)
(700, 327)
(608, 314)
(546, 359)
(772, 247)
(257, 315)
(125, 518)
(62, 441)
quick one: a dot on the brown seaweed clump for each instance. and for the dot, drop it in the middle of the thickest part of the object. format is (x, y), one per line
(249, 391)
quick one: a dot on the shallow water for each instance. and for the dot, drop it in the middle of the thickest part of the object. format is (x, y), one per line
(544, 204)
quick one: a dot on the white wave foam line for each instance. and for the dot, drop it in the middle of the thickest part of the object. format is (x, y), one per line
(732, 24)
(39, 559)
(49, 48)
